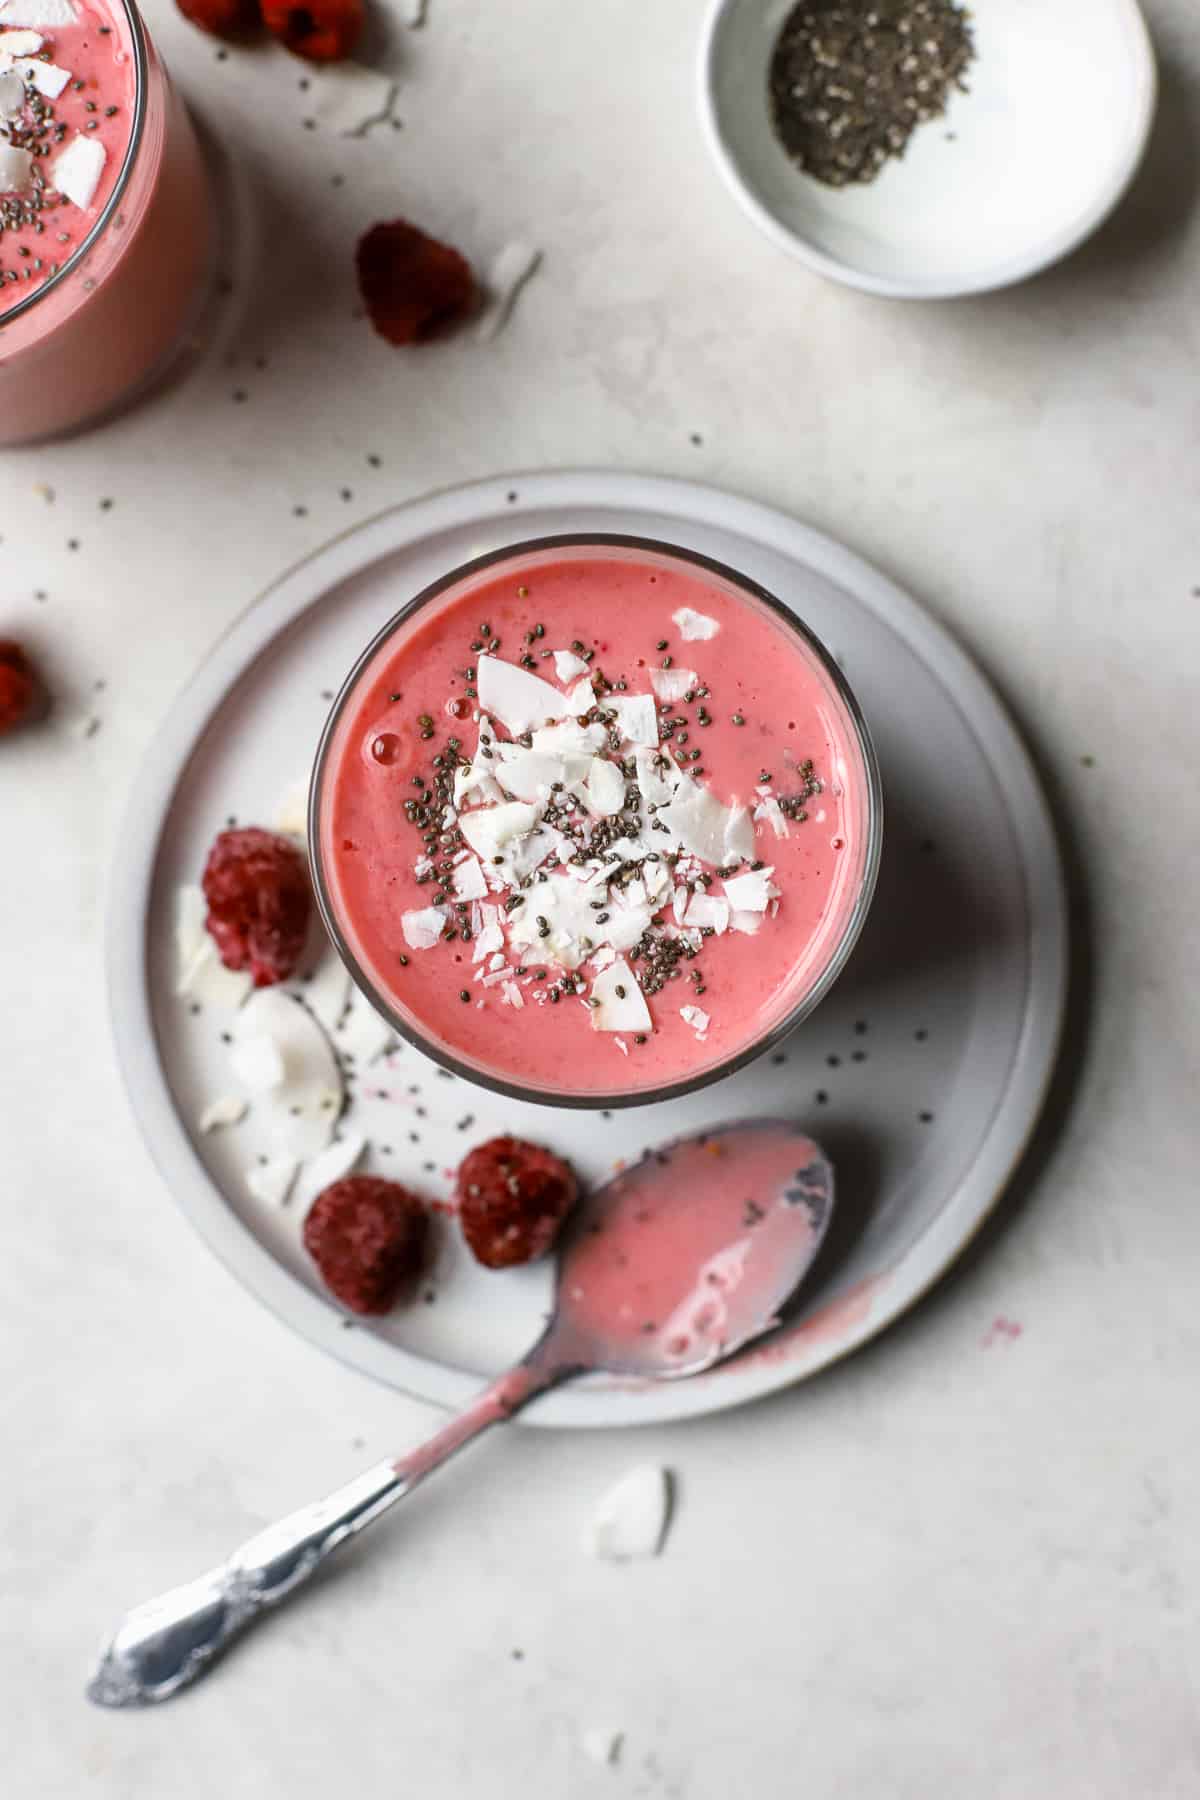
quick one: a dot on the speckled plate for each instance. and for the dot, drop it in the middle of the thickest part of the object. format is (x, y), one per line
(923, 1073)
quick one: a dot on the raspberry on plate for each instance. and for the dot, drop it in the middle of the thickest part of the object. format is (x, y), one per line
(367, 1237)
(412, 286)
(319, 30)
(256, 886)
(222, 18)
(20, 689)
(512, 1198)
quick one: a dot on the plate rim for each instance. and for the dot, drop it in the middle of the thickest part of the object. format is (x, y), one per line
(249, 635)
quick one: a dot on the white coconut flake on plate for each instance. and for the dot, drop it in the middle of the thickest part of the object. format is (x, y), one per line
(291, 815)
(518, 699)
(226, 1109)
(697, 1018)
(300, 1113)
(363, 1034)
(568, 667)
(327, 995)
(637, 718)
(423, 927)
(200, 975)
(271, 1180)
(752, 891)
(695, 627)
(623, 1011)
(672, 684)
(601, 1744)
(76, 171)
(631, 1519)
(334, 1163)
(258, 1064)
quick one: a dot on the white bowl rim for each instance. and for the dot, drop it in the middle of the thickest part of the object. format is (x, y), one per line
(1048, 251)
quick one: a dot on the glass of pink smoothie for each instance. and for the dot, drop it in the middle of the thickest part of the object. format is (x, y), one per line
(594, 821)
(105, 214)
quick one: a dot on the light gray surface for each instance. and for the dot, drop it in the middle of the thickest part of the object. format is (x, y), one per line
(965, 1560)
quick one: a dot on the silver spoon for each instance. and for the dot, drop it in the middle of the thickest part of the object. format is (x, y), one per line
(669, 1268)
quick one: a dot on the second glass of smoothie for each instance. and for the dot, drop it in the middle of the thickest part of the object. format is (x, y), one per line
(594, 821)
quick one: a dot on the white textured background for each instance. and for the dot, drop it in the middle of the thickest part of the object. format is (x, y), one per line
(940, 1568)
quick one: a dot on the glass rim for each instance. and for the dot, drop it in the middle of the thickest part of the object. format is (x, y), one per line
(141, 70)
(757, 1045)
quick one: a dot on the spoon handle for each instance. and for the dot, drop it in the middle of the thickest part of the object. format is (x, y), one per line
(167, 1643)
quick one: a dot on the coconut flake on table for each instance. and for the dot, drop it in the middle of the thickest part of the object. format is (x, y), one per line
(363, 1035)
(302, 1110)
(44, 15)
(697, 1018)
(695, 627)
(706, 912)
(200, 974)
(672, 684)
(752, 891)
(76, 171)
(602, 1745)
(507, 274)
(631, 1519)
(626, 1011)
(423, 926)
(270, 1181)
(568, 666)
(258, 1064)
(637, 717)
(47, 78)
(227, 1109)
(351, 98)
(518, 699)
(16, 168)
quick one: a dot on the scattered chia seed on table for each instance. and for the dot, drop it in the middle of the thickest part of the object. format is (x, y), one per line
(850, 80)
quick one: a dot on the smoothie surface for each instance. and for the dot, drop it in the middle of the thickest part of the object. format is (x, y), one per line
(609, 867)
(66, 114)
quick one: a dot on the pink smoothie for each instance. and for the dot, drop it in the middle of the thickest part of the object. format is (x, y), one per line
(89, 306)
(723, 865)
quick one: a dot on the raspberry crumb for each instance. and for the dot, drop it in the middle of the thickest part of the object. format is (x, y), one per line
(412, 286)
(256, 886)
(512, 1199)
(21, 691)
(320, 30)
(367, 1237)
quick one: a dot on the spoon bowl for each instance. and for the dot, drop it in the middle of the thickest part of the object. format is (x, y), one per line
(670, 1267)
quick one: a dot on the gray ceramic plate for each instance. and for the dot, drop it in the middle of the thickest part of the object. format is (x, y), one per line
(923, 1072)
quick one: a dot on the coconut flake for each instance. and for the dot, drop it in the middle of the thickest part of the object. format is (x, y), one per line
(363, 1034)
(707, 912)
(695, 627)
(46, 15)
(227, 1109)
(19, 43)
(468, 881)
(518, 699)
(529, 774)
(739, 836)
(749, 922)
(200, 974)
(752, 891)
(697, 1018)
(304, 1108)
(631, 1519)
(271, 1181)
(601, 1744)
(656, 785)
(626, 1011)
(327, 995)
(511, 995)
(492, 827)
(47, 78)
(672, 684)
(570, 738)
(770, 809)
(291, 815)
(15, 167)
(507, 275)
(12, 94)
(258, 1062)
(637, 717)
(333, 1164)
(581, 698)
(700, 822)
(604, 791)
(77, 170)
(423, 926)
(568, 666)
